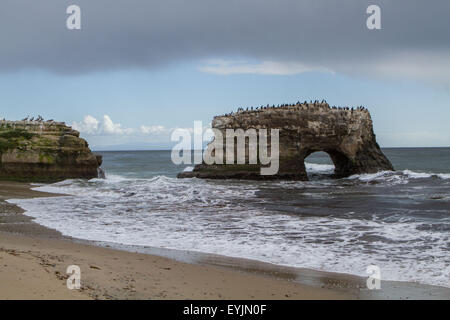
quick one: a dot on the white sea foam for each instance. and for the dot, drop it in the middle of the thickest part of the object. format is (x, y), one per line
(228, 218)
(397, 177)
(370, 176)
(443, 176)
(319, 168)
(416, 175)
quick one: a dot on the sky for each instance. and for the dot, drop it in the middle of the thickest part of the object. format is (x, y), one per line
(137, 69)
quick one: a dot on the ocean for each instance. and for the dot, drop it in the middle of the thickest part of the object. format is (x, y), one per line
(399, 221)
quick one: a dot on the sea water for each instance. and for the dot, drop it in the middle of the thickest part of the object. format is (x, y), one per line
(399, 221)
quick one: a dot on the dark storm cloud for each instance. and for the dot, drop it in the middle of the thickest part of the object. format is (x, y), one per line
(137, 33)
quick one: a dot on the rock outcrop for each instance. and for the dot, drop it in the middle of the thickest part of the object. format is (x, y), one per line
(346, 134)
(44, 151)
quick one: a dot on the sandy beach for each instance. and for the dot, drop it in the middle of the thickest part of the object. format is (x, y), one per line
(34, 260)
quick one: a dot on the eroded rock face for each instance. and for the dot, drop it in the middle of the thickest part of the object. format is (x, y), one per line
(346, 135)
(44, 151)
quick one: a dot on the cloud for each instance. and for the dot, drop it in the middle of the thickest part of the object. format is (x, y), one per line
(285, 36)
(107, 134)
(109, 127)
(92, 127)
(106, 127)
(89, 125)
(433, 68)
(152, 129)
(225, 67)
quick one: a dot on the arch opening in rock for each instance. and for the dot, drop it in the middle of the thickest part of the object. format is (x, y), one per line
(343, 165)
(319, 164)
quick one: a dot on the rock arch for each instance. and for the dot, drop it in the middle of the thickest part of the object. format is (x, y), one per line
(345, 134)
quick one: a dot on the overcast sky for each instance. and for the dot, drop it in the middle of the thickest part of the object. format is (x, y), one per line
(138, 69)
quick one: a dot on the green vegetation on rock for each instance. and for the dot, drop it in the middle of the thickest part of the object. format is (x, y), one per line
(44, 152)
(12, 139)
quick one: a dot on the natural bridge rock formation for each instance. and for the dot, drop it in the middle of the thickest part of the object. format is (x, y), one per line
(346, 134)
(44, 151)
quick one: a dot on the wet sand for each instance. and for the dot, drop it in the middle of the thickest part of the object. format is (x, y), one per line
(34, 260)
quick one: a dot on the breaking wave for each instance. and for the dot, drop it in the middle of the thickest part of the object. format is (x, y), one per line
(402, 177)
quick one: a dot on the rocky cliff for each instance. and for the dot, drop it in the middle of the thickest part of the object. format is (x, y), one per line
(44, 151)
(346, 134)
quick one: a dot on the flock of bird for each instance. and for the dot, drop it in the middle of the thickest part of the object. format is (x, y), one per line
(298, 104)
(239, 110)
(38, 119)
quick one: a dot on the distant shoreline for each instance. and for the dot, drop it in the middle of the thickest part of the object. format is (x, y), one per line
(177, 272)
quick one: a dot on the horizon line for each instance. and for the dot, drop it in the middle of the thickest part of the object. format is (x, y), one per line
(135, 150)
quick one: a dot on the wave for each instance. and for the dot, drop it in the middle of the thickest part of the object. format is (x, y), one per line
(398, 176)
(319, 168)
(388, 176)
